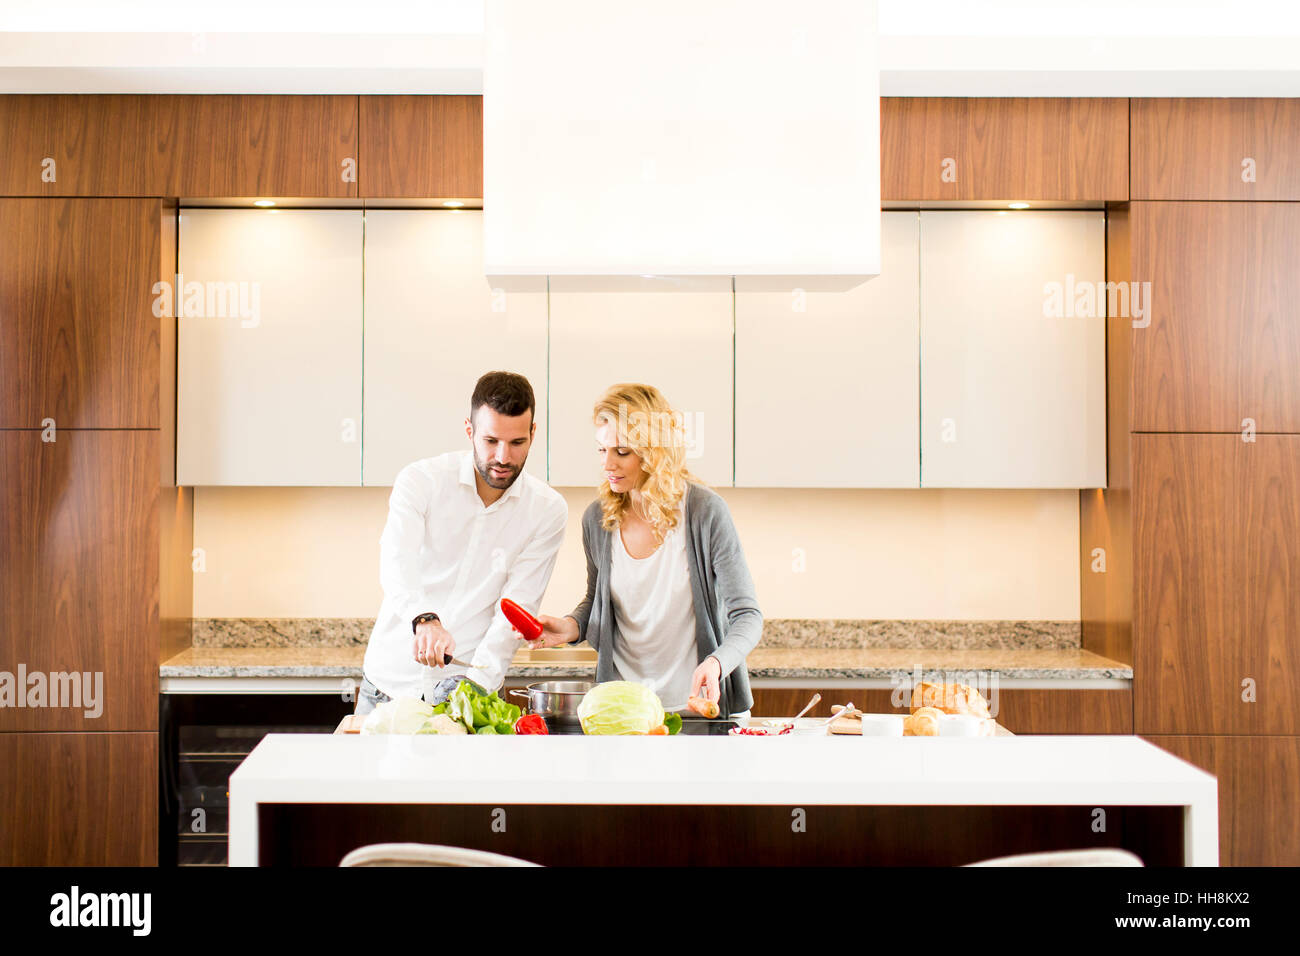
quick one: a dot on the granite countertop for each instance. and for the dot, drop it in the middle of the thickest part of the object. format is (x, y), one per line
(764, 663)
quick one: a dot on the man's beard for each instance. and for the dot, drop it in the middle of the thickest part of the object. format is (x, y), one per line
(501, 484)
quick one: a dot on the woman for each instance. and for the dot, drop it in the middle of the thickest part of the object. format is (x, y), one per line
(669, 598)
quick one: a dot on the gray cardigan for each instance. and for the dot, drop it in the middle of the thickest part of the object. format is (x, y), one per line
(728, 622)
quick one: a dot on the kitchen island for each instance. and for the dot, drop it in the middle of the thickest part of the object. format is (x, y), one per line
(716, 800)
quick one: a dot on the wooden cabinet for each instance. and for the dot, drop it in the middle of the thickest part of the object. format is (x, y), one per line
(79, 555)
(827, 383)
(269, 351)
(81, 343)
(82, 799)
(92, 145)
(1003, 148)
(432, 327)
(1020, 710)
(1013, 364)
(1216, 534)
(1223, 340)
(1258, 823)
(422, 147)
(1220, 148)
(186, 146)
(269, 146)
(679, 342)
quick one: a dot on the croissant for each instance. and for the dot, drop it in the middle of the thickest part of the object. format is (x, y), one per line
(922, 722)
(950, 699)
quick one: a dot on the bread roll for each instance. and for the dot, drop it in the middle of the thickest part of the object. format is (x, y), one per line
(949, 698)
(923, 722)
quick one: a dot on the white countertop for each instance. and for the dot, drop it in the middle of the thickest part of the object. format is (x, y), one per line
(1102, 771)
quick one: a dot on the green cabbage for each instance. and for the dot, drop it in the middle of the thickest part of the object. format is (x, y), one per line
(620, 707)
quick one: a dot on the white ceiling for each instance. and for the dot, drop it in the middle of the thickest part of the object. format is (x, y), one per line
(928, 47)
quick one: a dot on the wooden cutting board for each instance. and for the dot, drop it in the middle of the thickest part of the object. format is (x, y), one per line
(853, 725)
(846, 725)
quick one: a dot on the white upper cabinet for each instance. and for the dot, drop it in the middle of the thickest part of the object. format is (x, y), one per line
(1013, 350)
(268, 376)
(679, 342)
(433, 325)
(827, 385)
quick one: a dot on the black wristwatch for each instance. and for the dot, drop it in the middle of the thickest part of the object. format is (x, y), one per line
(424, 618)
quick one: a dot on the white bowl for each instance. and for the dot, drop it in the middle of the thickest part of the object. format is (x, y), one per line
(811, 727)
(802, 727)
(882, 725)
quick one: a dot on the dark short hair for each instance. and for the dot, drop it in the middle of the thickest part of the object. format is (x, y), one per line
(505, 393)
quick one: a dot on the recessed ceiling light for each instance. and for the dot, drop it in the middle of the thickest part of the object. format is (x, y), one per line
(453, 204)
(264, 203)
(1017, 205)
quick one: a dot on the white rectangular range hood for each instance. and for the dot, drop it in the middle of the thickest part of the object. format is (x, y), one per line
(682, 139)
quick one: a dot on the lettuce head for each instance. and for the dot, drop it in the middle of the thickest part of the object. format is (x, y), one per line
(620, 707)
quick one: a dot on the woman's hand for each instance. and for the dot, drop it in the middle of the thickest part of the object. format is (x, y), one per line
(704, 682)
(555, 631)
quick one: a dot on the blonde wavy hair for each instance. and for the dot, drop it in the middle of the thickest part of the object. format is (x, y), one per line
(650, 427)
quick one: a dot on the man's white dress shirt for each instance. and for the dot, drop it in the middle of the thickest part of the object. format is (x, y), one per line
(442, 550)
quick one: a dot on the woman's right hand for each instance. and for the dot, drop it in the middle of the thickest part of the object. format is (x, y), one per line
(556, 631)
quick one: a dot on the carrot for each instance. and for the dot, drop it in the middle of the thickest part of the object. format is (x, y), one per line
(703, 706)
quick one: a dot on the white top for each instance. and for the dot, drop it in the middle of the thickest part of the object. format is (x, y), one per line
(443, 551)
(655, 614)
(1068, 770)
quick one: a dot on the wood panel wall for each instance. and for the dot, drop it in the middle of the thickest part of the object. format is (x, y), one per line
(175, 505)
(1105, 514)
(80, 345)
(1217, 597)
(1020, 710)
(86, 386)
(422, 146)
(83, 799)
(1216, 499)
(79, 570)
(196, 147)
(1258, 822)
(1003, 148)
(1223, 346)
(1216, 149)
(183, 146)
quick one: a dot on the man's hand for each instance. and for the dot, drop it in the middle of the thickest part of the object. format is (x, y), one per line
(555, 631)
(704, 682)
(433, 643)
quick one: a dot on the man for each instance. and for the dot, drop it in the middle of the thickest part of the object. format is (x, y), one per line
(464, 530)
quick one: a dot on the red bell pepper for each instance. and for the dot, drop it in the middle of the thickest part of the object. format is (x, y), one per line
(531, 724)
(523, 622)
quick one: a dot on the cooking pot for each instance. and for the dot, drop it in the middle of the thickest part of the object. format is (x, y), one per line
(557, 699)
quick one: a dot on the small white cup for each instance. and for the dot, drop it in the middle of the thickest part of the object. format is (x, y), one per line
(882, 725)
(960, 725)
